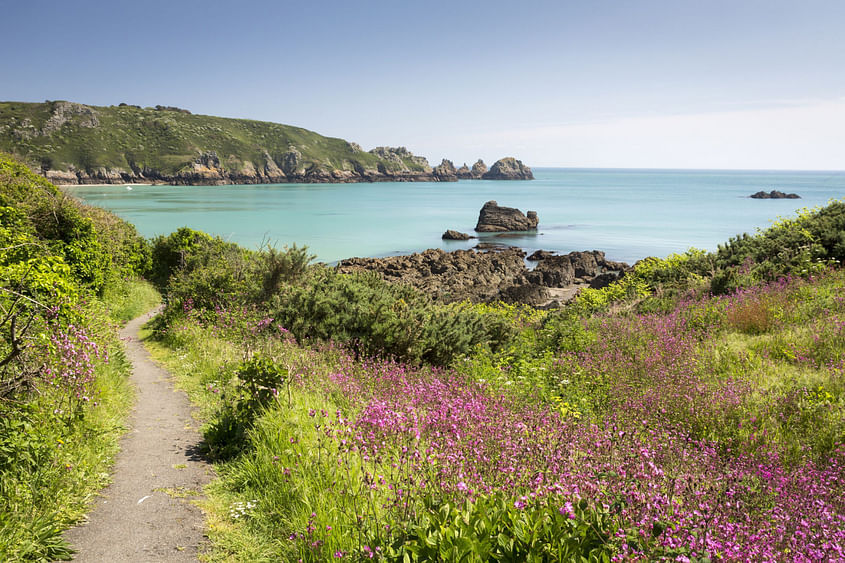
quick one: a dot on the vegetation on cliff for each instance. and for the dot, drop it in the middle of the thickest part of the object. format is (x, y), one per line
(74, 143)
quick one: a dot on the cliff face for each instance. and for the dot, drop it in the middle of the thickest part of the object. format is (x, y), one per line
(72, 143)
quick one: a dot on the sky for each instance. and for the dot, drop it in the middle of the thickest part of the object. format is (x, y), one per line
(726, 84)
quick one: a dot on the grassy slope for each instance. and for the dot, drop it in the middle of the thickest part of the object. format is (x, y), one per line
(165, 141)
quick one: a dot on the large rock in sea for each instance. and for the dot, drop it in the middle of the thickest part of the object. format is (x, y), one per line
(496, 219)
(508, 168)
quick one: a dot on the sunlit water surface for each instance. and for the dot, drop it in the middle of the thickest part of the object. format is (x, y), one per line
(630, 214)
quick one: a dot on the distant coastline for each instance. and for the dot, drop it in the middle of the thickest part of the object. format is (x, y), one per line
(76, 144)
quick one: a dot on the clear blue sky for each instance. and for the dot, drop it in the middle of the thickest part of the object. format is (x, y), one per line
(646, 83)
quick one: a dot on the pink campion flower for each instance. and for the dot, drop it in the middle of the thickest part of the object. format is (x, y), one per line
(567, 510)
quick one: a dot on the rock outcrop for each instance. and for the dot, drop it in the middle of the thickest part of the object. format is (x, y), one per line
(475, 173)
(455, 235)
(774, 194)
(63, 112)
(540, 255)
(499, 274)
(508, 168)
(479, 169)
(496, 219)
(445, 171)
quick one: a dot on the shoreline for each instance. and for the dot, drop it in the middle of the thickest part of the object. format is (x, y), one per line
(124, 184)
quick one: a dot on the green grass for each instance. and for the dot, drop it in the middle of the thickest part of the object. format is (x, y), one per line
(129, 299)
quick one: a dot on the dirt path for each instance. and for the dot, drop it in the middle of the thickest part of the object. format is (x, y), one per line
(146, 513)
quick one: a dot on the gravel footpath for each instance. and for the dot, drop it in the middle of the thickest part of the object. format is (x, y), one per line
(147, 513)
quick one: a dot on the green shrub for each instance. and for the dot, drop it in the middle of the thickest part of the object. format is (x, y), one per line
(61, 405)
(211, 272)
(375, 317)
(496, 529)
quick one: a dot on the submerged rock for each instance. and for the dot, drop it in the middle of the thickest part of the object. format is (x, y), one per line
(494, 218)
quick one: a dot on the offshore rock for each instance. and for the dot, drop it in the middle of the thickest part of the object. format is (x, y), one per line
(496, 219)
(774, 194)
(464, 173)
(508, 168)
(455, 235)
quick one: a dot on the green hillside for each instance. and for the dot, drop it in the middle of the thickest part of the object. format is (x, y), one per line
(130, 143)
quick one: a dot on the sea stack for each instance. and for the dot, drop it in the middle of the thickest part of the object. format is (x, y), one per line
(496, 219)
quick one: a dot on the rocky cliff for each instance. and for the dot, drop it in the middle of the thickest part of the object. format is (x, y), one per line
(72, 143)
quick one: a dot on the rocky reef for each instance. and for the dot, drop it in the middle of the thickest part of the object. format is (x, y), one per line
(484, 276)
(494, 218)
(774, 194)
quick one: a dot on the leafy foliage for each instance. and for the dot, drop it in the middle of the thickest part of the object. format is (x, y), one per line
(59, 391)
(375, 317)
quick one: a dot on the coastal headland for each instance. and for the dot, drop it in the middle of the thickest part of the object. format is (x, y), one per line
(75, 144)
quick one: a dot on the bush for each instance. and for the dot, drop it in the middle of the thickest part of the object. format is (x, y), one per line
(375, 317)
(189, 264)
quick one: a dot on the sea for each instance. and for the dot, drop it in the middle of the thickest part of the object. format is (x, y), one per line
(629, 214)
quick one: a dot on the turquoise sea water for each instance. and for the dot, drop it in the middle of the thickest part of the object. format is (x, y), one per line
(630, 214)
